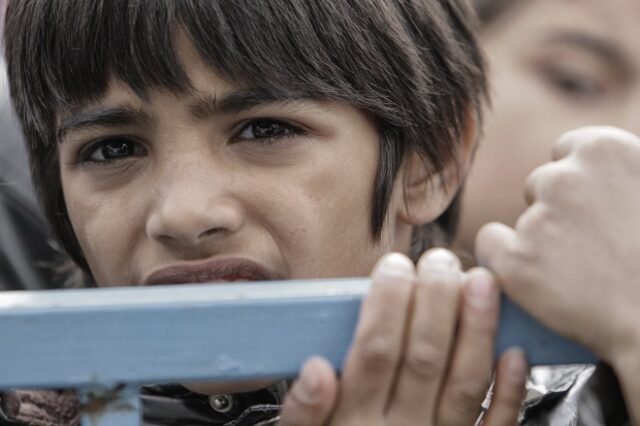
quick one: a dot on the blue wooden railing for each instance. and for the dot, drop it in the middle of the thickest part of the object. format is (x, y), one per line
(107, 342)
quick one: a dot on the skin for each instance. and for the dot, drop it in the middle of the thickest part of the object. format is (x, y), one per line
(578, 214)
(571, 259)
(181, 187)
(548, 77)
(386, 382)
(198, 175)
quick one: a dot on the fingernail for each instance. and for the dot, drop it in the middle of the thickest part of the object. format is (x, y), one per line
(482, 292)
(308, 386)
(440, 261)
(395, 265)
(517, 367)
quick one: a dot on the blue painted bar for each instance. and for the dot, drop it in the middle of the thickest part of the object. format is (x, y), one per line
(542, 346)
(88, 337)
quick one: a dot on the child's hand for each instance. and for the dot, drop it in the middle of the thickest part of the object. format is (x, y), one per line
(409, 364)
(572, 260)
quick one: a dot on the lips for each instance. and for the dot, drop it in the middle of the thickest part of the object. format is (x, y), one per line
(215, 270)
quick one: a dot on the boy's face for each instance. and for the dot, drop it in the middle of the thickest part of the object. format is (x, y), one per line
(211, 185)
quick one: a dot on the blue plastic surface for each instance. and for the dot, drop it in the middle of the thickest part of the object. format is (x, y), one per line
(542, 346)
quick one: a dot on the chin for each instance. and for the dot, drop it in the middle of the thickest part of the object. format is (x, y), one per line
(215, 388)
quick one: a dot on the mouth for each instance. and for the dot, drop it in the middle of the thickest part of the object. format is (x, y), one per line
(210, 271)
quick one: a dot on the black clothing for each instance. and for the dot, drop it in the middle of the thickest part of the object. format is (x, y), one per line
(163, 405)
(27, 257)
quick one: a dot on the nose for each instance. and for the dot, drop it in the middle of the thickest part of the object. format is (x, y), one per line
(193, 207)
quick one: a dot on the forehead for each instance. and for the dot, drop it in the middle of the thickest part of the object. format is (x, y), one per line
(202, 79)
(207, 92)
(192, 57)
(617, 19)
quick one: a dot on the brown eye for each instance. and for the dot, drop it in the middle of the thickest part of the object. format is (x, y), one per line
(266, 129)
(113, 149)
(576, 86)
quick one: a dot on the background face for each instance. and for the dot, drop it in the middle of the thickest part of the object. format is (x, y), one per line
(555, 65)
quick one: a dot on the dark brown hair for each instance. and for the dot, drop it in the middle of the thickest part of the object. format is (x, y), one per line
(411, 65)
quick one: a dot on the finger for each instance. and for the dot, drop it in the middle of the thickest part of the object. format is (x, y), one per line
(312, 397)
(494, 245)
(431, 331)
(590, 137)
(565, 144)
(532, 185)
(469, 376)
(570, 141)
(509, 390)
(371, 364)
(541, 184)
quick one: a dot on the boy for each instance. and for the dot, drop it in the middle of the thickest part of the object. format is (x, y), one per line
(203, 141)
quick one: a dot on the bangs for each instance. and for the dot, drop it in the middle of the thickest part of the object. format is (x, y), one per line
(318, 49)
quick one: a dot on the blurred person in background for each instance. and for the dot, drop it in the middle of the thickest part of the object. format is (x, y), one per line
(28, 258)
(554, 65)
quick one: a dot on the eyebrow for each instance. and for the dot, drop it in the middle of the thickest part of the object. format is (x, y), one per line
(203, 106)
(106, 117)
(600, 47)
(206, 105)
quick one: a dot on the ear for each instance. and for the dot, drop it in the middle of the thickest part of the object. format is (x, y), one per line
(427, 195)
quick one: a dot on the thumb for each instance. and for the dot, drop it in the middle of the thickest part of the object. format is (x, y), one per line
(312, 398)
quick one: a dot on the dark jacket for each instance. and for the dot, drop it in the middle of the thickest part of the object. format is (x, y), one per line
(558, 396)
(27, 257)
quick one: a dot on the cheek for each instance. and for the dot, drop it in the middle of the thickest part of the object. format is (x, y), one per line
(521, 129)
(525, 121)
(105, 225)
(519, 133)
(329, 225)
